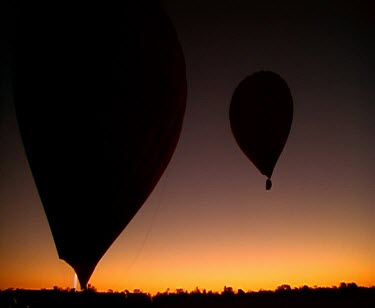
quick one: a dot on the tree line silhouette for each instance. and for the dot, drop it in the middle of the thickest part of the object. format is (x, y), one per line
(344, 295)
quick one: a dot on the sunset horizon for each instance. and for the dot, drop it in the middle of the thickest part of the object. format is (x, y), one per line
(196, 289)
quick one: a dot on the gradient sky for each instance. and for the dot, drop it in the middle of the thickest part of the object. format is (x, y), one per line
(210, 222)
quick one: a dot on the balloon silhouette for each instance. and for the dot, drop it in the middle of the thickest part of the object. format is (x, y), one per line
(100, 96)
(261, 113)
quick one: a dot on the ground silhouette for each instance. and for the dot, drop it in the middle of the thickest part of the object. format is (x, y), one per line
(345, 295)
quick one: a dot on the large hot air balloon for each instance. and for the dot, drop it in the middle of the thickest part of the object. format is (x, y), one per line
(261, 113)
(100, 95)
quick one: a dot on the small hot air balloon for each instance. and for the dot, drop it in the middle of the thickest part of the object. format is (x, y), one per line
(261, 113)
(100, 95)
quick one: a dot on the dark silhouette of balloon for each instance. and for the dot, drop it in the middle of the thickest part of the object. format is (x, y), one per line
(100, 95)
(261, 113)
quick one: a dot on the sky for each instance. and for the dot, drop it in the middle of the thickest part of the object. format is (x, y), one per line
(210, 222)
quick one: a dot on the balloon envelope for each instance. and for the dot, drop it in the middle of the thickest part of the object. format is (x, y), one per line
(100, 95)
(261, 113)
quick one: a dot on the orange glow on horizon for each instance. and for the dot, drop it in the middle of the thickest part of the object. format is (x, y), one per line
(263, 271)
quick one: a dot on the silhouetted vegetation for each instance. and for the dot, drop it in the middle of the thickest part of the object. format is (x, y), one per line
(345, 295)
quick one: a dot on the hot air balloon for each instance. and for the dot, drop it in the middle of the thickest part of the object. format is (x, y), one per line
(100, 95)
(261, 113)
